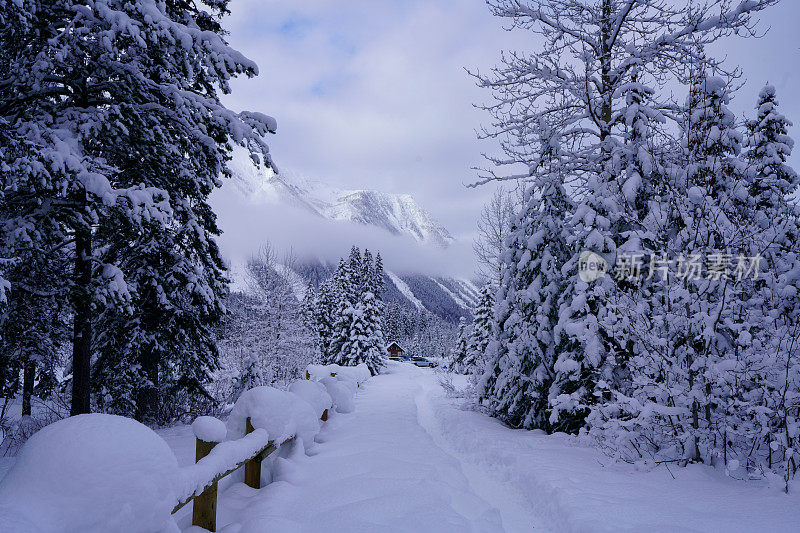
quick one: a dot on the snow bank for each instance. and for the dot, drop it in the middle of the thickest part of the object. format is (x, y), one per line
(278, 412)
(209, 429)
(91, 473)
(341, 393)
(314, 393)
(576, 488)
(357, 374)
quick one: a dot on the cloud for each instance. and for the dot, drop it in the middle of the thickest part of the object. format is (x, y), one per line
(373, 94)
(247, 223)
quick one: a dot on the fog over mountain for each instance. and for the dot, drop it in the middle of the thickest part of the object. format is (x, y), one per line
(426, 267)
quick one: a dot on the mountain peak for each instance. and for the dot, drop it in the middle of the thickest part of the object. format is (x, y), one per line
(398, 214)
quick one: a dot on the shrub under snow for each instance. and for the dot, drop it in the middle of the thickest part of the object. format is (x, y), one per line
(92, 472)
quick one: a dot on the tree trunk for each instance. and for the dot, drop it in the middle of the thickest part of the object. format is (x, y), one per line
(82, 325)
(148, 398)
(28, 377)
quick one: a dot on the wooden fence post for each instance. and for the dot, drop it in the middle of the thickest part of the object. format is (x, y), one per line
(308, 375)
(204, 507)
(252, 468)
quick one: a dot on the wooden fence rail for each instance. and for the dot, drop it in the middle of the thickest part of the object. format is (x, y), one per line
(204, 506)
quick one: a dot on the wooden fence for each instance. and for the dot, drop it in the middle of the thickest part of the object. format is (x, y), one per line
(204, 504)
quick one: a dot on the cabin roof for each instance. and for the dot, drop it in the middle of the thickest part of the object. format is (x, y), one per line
(394, 344)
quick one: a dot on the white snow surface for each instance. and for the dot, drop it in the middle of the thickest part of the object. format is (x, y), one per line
(90, 473)
(209, 429)
(410, 459)
(225, 456)
(281, 413)
(341, 393)
(357, 374)
(314, 393)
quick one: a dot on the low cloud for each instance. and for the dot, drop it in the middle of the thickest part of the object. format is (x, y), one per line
(247, 223)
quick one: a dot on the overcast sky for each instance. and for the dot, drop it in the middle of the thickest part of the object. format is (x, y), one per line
(373, 93)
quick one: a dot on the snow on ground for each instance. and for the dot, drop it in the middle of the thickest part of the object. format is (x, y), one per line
(375, 469)
(408, 459)
(577, 488)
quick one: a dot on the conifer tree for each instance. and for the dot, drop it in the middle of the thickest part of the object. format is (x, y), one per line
(120, 113)
(481, 331)
(518, 380)
(459, 352)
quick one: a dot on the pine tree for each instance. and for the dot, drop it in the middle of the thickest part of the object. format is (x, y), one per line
(125, 130)
(345, 298)
(481, 331)
(627, 54)
(518, 380)
(459, 352)
(769, 146)
(378, 283)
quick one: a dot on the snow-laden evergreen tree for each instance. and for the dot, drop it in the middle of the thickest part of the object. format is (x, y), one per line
(597, 59)
(365, 343)
(517, 383)
(378, 283)
(481, 331)
(774, 423)
(769, 146)
(117, 124)
(459, 352)
(324, 311)
(34, 330)
(349, 312)
(346, 281)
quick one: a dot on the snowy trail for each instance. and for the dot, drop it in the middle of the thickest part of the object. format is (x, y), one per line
(377, 469)
(409, 460)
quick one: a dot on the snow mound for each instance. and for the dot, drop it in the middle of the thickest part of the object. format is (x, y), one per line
(209, 429)
(358, 374)
(342, 395)
(276, 411)
(314, 393)
(92, 472)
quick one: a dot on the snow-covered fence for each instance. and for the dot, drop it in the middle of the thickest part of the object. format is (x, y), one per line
(109, 473)
(215, 460)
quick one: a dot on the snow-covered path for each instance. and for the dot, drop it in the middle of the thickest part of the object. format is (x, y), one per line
(409, 460)
(377, 469)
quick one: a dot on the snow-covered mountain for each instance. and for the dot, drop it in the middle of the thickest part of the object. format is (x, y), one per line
(448, 298)
(397, 213)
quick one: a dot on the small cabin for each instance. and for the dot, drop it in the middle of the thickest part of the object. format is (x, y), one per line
(394, 350)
